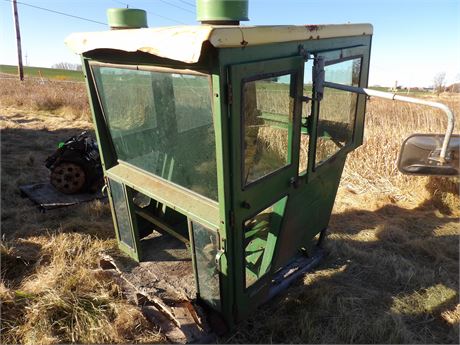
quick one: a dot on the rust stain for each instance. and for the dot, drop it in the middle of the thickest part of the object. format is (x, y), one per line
(312, 28)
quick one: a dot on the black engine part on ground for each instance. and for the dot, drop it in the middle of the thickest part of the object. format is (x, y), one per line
(76, 165)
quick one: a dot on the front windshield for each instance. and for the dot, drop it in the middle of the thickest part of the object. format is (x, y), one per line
(161, 122)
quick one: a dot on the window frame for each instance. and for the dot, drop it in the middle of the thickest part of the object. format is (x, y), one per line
(305, 172)
(348, 147)
(261, 280)
(158, 69)
(292, 94)
(133, 251)
(191, 228)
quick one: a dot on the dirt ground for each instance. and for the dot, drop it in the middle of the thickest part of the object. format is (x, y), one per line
(391, 275)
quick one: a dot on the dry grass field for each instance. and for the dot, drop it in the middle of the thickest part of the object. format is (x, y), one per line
(391, 276)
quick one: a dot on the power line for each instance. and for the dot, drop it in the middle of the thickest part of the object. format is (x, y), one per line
(121, 3)
(91, 20)
(188, 3)
(164, 1)
(177, 6)
(167, 18)
(57, 12)
(152, 13)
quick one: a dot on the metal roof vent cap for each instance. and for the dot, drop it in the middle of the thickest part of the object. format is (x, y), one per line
(126, 18)
(221, 12)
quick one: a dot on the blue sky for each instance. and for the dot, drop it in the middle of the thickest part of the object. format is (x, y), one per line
(413, 40)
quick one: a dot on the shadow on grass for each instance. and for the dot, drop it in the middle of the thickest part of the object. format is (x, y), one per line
(390, 276)
(23, 154)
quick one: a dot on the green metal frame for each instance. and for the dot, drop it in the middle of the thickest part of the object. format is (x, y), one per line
(306, 200)
(251, 199)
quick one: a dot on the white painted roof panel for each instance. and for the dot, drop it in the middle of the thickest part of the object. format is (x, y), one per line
(184, 43)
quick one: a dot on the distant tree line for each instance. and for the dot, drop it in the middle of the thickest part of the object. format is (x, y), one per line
(67, 66)
(439, 82)
(440, 85)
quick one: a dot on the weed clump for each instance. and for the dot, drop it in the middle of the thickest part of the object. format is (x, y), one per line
(65, 300)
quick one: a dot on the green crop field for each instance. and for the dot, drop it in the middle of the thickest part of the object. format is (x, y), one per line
(42, 72)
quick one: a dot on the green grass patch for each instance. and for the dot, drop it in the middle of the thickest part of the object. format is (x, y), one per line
(47, 73)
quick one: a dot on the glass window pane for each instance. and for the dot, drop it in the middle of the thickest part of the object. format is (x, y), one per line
(303, 154)
(345, 72)
(206, 247)
(267, 117)
(306, 113)
(162, 123)
(121, 213)
(337, 110)
(192, 102)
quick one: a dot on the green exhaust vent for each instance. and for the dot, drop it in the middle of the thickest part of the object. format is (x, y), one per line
(126, 18)
(221, 11)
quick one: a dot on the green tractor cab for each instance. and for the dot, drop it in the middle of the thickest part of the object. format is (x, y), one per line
(223, 148)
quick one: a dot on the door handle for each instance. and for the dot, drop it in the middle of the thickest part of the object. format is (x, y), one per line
(246, 205)
(295, 183)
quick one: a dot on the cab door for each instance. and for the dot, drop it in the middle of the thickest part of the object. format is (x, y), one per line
(265, 133)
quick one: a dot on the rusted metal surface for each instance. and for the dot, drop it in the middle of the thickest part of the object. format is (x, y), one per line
(149, 68)
(289, 209)
(185, 43)
(313, 28)
(68, 177)
(293, 271)
(176, 317)
(190, 204)
(47, 197)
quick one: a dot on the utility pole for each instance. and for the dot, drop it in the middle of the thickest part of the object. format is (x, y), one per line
(18, 40)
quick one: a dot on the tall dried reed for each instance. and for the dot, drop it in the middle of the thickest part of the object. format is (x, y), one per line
(373, 166)
(378, 285)
(57, 97)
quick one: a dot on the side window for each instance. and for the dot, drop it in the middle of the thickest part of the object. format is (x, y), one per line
(267, 112)
(154, 116)
(337, 109)
(192, 102)
(306, 113)
(206, 245)
(122, 216)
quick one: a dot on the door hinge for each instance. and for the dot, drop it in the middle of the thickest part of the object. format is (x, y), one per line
(105, 188)
(319, 77)
(217, 258)
(235, 311)
(232, 219)
(229, 93)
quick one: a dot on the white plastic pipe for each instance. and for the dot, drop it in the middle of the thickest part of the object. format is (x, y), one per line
(394, 97)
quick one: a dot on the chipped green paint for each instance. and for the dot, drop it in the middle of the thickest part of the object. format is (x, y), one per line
(259, 226)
